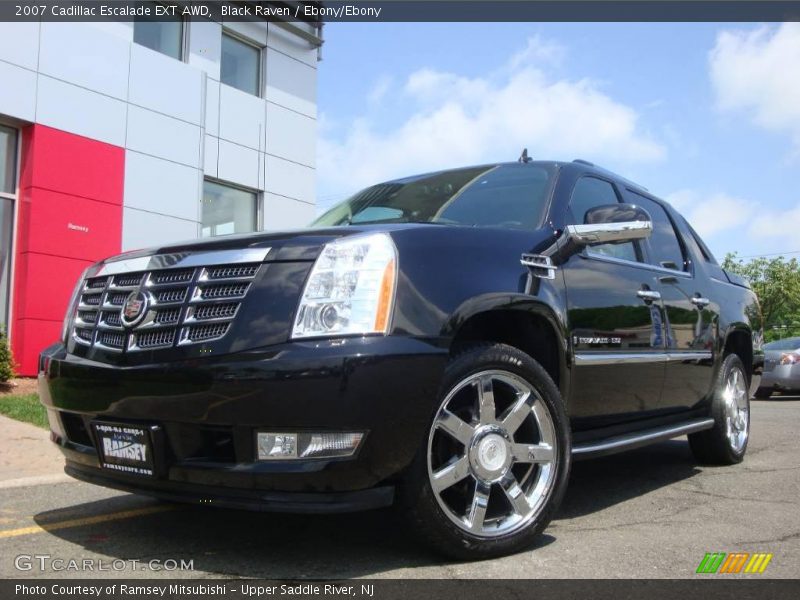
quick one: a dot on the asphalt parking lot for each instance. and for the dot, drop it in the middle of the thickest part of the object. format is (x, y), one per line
(649, 513)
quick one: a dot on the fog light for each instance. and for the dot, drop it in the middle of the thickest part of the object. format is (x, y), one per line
(292, 446)
(277, 445)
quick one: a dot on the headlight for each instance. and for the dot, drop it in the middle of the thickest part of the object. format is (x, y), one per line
(350, 289)
(71, 306)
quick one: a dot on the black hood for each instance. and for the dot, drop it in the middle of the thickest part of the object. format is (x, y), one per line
(293, 245)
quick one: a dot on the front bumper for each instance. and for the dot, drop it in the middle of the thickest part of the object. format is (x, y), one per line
(208, 411)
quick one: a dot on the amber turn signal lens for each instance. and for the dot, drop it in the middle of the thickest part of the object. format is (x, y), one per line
(385, 298)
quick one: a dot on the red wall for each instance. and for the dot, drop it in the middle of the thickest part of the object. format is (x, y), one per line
(70, 215)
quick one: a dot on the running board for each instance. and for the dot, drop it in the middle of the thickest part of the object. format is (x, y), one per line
(636, 440)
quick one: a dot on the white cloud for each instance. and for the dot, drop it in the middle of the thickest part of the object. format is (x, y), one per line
(730, 224)
(777, 224)
(757, 71)
(537, 51)
(457, 120)
(379, 90)
(714, 213)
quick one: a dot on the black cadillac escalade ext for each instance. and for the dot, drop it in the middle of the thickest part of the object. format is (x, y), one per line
(448, 343)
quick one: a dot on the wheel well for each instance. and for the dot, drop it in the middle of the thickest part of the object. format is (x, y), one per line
(741, 344)
(532, 334)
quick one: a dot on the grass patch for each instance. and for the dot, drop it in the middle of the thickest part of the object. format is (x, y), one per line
(24, 408)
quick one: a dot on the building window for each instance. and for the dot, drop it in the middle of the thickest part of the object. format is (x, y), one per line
(8, 190)
(241, 64)
(228, 209)
(161, 33)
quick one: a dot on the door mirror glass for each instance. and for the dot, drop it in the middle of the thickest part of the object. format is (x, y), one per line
(612, 223)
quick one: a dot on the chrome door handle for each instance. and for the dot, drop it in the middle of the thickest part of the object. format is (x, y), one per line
(649, 295)
(700, 302)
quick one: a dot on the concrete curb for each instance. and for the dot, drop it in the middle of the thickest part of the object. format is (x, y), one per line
(27, 456)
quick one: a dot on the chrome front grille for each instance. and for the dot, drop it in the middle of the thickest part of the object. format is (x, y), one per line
(83, 334)
(231, 272)
(95, 284)
(126, 280)
(174, 296)
(217, 292)
(168, 316)
(91, 299)
(160, 338)
(116, 299)
(210, 312)
(201, 333)
(184, 306)
(87, 317)
(111, 339)
(176, 276)
(112, 318)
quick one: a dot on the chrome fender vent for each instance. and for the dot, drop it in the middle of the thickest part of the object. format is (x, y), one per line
(539, 265)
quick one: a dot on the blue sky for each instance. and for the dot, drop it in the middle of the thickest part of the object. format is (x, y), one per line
(704, 115)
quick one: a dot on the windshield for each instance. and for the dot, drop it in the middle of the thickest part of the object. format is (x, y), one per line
(512, 196)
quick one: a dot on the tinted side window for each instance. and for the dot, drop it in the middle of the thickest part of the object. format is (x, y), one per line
(588, 193)
(707, 256)
(665, 248)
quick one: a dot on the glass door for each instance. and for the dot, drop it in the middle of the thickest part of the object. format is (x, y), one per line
(8, 191)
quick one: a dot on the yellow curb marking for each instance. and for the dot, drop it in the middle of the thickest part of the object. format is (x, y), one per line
(125, 514)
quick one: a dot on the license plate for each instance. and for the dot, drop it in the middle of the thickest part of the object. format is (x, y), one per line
(124, 448)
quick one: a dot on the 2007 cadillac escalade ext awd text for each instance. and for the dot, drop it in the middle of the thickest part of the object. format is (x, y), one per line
(448, 342)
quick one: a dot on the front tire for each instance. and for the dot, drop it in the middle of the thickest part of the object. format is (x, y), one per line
(726, 442)
(494, 467)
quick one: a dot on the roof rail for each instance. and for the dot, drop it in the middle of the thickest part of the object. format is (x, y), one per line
(583, 162)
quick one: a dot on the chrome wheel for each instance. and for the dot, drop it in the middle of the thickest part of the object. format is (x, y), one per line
(737, 409)
(492, 454)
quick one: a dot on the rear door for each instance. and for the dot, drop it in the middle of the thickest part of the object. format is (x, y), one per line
(691, 311)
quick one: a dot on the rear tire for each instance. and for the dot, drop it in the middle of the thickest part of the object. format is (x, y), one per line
(726, 442)
(494, 466)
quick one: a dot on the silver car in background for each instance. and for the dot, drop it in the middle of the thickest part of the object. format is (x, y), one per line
(781, 367)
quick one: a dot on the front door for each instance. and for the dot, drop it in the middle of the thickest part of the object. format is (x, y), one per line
(616, 323)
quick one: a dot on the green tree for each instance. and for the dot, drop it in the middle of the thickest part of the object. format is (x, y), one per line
(6, 360)
(776, 282)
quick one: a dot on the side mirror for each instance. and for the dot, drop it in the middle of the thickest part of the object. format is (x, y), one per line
(611, 223)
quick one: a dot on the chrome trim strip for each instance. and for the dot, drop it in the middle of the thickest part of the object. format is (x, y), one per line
(620, 358)
(588, 254)
(178, 260)
(642, 438)
(684, 356)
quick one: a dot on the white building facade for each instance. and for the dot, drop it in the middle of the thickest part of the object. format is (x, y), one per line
(117, 136)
